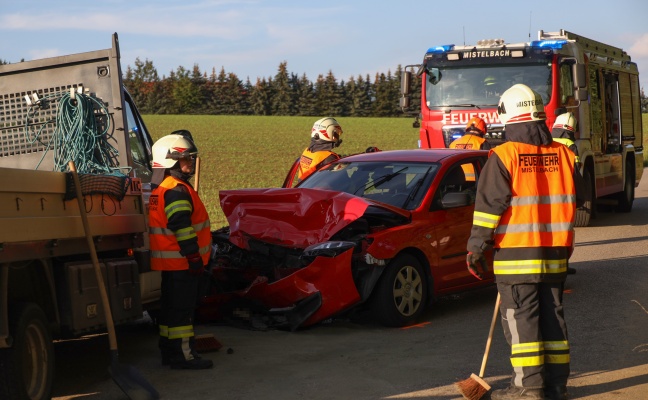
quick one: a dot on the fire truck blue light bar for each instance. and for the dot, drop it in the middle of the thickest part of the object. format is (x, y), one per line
(549, 44)
(441, 49)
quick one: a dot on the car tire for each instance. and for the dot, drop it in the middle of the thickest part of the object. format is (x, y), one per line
(27, 368)
(401, 294)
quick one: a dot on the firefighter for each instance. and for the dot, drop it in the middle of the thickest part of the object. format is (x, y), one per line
(180, 243)
(491, 86)
(325, 136)
(474, 136)
(525, 210)
(473, 139)
(563, 131)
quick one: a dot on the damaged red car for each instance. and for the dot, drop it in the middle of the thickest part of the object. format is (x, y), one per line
(383, 230)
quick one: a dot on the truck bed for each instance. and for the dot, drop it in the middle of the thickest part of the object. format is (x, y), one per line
(41, 220)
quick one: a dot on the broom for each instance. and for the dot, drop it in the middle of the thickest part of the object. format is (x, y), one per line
(474, 388)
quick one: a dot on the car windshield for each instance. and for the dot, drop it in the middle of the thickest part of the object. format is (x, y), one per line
(477, 86)
(401, 184)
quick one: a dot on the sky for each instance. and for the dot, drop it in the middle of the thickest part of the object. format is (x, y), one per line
(349, 38)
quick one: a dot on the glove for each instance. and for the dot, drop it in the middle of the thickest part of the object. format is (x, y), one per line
(196, 266)
(372, 149)
(475, 261)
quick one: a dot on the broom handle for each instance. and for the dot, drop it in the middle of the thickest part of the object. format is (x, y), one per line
(490, 336)
(110, 325)
(197, 175)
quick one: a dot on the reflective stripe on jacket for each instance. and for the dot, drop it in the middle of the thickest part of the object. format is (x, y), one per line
(164, 243)
(309, 162)
(543, 202)
(570, 144)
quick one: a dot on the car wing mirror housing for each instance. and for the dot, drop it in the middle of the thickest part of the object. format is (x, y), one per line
(453, 200)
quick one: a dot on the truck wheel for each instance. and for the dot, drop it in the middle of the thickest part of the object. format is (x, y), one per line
(27, 368)
(587, 211)
(626, 198)
(400, 296)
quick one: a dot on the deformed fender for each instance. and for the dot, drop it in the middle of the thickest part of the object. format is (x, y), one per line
(331, 279)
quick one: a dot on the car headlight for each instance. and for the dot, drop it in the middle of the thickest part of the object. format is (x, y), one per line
(328, 249)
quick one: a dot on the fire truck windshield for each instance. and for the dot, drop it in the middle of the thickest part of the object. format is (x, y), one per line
(482, 85)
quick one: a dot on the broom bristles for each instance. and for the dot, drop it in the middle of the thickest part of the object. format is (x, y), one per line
(473, 388)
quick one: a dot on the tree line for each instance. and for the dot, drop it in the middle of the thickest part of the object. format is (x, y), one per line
(197, 92)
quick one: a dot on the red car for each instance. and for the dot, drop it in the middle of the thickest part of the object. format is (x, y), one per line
(387, 230)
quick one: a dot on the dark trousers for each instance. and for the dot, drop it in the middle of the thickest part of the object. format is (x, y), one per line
(177, 306)
(534, 326)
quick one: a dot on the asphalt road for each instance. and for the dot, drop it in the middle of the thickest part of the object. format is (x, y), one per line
(606, 306)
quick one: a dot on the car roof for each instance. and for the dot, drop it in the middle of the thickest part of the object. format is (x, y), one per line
(415, 155)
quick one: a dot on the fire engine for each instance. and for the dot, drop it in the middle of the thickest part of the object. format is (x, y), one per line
(597, 82)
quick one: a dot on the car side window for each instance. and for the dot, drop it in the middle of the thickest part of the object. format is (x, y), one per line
(460, 178)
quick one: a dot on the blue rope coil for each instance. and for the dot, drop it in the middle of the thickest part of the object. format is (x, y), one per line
(78, 136)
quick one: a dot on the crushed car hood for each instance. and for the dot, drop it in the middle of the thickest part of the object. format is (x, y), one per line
(291, 217)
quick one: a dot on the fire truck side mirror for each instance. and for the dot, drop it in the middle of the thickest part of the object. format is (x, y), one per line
(404, 102)
(580, 76)
(581, 94)
(406, 79)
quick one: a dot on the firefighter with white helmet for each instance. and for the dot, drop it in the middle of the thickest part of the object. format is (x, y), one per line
(564, 130)
(180, 244)
(525, 209)
(325, 136)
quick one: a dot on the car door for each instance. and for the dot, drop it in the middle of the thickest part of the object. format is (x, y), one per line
(453, 223)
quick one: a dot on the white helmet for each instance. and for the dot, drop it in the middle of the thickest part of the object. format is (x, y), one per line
(566, 121)
(520, 103)
(327, 129)
(169, 149)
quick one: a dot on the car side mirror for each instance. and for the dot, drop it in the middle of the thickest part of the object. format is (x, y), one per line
(454, 199)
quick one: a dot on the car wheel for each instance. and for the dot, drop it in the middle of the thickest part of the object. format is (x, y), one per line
(401, 293)
(27, 368)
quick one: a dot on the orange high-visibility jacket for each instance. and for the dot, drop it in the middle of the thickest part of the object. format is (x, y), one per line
(309, 162)
(164, 243)
(543, 205)
(468, 142)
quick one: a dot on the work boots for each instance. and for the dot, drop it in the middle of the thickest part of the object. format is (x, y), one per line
(173, 354)
(195, 363)
(555, 392)
(517, 393)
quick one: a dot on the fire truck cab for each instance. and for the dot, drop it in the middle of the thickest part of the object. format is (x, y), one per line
(597, 82)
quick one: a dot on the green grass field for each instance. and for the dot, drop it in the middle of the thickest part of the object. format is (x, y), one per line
(255, 152)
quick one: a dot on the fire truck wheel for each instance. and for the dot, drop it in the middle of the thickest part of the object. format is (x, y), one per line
(400, 296)
(27, 368)
(626, 198)
(587, 211)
